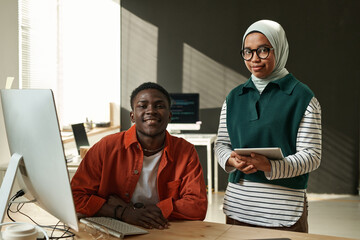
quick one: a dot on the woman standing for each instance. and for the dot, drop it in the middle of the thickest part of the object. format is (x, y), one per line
(272, 109)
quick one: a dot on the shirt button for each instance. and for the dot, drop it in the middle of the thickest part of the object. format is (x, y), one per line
(136, 171)
(127, 194)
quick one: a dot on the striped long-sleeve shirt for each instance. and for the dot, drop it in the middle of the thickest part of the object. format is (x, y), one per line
(266, 204)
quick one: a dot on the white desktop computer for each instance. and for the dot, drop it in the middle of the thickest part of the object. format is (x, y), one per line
(38, 157)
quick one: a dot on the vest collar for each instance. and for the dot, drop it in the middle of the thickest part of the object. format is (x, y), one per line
(286, 84)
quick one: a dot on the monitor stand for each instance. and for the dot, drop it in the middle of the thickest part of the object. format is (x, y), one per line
(176, 128)
(8, 183)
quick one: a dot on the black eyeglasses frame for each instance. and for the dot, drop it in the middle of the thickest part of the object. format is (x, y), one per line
(255, 50)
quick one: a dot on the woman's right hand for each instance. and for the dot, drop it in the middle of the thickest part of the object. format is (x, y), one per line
(235, 160)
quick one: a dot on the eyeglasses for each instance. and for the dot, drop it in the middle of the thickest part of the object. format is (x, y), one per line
(261, 52)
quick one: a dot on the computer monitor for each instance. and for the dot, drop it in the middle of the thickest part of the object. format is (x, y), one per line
(185, 112)
(80, 135)
(38, 157)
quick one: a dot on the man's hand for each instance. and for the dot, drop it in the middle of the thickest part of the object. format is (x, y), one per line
(148, 217)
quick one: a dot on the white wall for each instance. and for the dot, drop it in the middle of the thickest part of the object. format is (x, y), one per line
(9, 60)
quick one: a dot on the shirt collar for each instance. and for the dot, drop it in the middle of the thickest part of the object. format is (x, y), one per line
(130, 139)
(168, 147)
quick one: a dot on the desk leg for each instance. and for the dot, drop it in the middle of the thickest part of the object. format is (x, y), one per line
(209, 172)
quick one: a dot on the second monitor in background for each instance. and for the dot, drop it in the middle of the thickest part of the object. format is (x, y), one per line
(185, 109)
(80, 136)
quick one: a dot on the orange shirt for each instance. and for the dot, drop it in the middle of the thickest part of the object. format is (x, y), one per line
(113, 166)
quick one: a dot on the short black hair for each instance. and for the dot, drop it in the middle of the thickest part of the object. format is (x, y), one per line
(149, 85)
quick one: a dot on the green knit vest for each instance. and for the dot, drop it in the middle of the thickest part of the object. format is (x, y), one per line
(268, 120)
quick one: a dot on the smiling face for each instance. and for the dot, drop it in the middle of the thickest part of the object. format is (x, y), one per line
(151, 113)
(261, 68)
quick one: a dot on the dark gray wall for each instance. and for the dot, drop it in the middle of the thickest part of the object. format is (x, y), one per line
(323, 38)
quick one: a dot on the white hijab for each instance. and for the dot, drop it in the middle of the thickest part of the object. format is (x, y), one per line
(276, 36)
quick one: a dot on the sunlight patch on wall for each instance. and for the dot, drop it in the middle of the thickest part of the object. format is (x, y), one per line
(139, 54)
(209, 78)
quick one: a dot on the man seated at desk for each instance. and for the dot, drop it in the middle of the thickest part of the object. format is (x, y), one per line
(143, 176)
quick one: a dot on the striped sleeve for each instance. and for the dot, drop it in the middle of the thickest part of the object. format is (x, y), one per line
(308, 147)
(223, 146)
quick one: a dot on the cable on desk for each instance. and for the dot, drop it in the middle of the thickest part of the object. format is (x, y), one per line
(65, 229)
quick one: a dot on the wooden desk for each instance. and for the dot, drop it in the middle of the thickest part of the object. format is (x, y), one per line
(182, 230)
(207, 230)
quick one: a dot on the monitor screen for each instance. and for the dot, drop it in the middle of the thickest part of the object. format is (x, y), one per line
(184, 107)
(36, 147)
(185, 112)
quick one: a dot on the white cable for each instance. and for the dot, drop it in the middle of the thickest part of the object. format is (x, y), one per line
(19, 223)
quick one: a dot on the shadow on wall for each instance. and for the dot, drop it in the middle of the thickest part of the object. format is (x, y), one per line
(337, 164)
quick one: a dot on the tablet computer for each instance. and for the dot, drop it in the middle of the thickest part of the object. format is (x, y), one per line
(270, 153)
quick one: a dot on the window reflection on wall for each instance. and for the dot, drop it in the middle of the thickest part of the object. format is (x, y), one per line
(139, 54)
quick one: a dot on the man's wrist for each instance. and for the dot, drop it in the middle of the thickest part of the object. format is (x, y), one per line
(122, 213)
(119, 211)
(116, 210)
